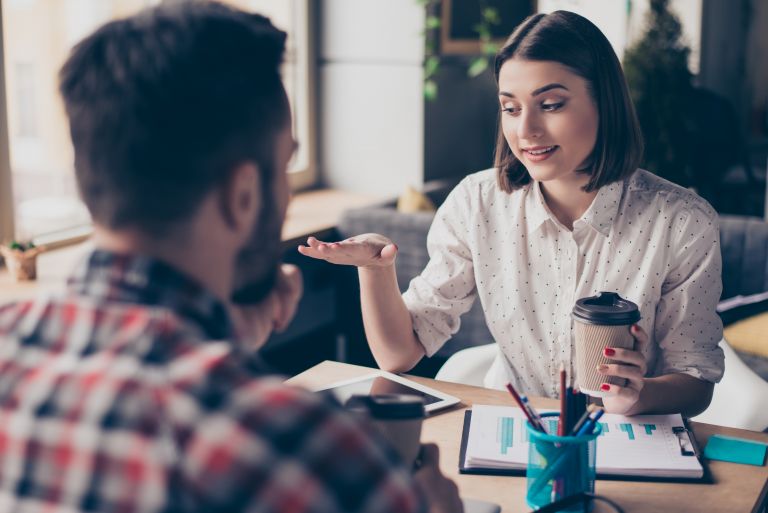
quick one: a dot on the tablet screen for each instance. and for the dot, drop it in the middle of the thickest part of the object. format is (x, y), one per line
(378, 385)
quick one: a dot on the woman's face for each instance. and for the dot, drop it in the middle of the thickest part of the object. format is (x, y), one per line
(548, 117)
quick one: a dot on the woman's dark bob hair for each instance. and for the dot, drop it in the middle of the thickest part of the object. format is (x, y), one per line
(576, 43)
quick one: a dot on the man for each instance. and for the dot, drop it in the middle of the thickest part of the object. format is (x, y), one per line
(131, 392)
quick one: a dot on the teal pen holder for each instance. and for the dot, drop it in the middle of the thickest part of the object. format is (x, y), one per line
(559, 466)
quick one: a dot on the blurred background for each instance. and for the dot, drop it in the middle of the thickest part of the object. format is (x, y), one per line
(392, 93)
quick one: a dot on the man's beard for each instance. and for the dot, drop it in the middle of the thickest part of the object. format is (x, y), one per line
(258, 261)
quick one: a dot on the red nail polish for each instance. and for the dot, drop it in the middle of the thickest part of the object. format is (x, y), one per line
(609, 351)
(605, 387)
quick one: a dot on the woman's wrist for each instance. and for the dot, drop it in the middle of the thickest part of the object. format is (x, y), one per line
(375, 269)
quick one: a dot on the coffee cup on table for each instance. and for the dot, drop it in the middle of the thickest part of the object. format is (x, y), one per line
(398, 417)
(601, 321)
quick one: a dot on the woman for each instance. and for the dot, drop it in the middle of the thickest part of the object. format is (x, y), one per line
(564, 214)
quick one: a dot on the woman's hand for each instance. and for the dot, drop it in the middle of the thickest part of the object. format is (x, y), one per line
(366, 250)
(630, 364)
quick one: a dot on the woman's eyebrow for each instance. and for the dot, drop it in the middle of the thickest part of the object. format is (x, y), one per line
(548, 87)
(538, 91)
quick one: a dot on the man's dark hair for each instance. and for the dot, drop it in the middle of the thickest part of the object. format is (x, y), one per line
(577, 44)
(165, 104)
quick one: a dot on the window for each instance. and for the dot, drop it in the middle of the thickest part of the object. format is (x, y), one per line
(37, 168)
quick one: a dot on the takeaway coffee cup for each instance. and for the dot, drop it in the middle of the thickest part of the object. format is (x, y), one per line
(601, 321)
(398, 417)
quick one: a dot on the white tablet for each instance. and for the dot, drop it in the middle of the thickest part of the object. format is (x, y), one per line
(382, 382)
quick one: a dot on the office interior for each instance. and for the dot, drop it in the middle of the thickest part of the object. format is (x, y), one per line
(387, 95)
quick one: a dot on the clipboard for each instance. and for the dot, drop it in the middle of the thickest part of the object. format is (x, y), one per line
(686, 439)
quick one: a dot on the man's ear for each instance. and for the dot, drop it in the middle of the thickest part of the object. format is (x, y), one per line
(240, 197)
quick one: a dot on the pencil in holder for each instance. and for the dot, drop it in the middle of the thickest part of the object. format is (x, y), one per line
(559, 466)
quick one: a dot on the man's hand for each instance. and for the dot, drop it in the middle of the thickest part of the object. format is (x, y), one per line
(442, 493)
(254, 323)
(630, 364)
(366, 250)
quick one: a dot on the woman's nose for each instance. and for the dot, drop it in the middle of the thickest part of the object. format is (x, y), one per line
(529, 126)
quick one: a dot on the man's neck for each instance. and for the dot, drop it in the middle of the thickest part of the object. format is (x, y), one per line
(194, 260)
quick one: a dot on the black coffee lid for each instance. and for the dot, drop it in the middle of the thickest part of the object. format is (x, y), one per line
(606, 308)
(389, 406)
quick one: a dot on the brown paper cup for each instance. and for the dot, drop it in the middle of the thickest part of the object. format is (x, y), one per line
(591, 340)
(404, 435)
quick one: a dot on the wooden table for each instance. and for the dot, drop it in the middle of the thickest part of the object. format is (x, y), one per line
(736, 488)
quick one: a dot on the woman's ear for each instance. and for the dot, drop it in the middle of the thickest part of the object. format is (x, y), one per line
(240, 197)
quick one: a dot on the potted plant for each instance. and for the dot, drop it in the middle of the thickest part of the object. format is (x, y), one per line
(21, 259)
(660, 83)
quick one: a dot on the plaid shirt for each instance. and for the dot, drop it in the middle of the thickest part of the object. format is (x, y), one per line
(126, 395)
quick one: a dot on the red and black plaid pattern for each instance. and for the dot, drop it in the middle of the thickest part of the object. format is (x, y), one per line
(126, 394)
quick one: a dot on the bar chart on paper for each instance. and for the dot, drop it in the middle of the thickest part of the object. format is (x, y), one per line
(644, 445)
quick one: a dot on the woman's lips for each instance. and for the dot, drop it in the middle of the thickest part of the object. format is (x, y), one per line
(539, 153)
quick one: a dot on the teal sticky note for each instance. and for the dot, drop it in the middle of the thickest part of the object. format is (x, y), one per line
(735, 450)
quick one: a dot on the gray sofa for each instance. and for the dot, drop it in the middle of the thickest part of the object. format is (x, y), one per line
(744, 243)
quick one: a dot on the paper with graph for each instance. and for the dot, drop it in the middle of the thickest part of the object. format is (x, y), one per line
(643, 445)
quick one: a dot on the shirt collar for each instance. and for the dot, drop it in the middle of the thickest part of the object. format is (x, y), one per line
(536, 209)
(600, 214)
(110, 277)
(604, 208)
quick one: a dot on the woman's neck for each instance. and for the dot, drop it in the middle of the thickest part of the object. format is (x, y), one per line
(566, 199)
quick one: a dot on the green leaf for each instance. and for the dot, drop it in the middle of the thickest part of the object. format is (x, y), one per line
(482, 30)
(491, 15)
(430, 90)
(432, 22)
(431, 66)
(490, 48)
(477, 67)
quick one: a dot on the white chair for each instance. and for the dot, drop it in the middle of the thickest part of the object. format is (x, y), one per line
(468, 366)
(740, 399)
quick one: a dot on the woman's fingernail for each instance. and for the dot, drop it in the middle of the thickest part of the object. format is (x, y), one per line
(605, 387)
(609, 351)
(602, 368)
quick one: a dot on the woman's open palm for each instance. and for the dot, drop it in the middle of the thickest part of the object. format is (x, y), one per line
(366, 250)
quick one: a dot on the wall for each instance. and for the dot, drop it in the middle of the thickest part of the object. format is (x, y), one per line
(371, 123)
(460, 124)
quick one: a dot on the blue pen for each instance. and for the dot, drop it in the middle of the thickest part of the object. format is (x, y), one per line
(534, 414)
(589, 425)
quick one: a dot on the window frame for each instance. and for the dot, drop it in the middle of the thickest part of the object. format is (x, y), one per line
(304, 130)
(307, 66)
(7, 224)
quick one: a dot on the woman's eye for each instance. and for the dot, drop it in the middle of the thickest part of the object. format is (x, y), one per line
(510, 110)
(550, 107)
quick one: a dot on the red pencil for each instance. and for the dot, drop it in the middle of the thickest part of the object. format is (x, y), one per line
(536, 425)
(561, 423)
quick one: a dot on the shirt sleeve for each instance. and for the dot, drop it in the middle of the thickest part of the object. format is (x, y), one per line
(445, 289)
(688, 329)
(275, 448)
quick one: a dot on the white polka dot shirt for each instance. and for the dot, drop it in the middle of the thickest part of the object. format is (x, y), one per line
(651, 241)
